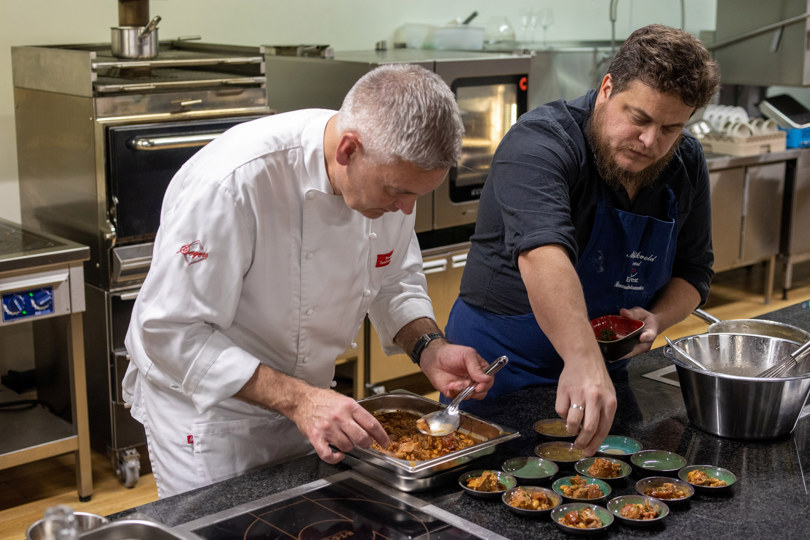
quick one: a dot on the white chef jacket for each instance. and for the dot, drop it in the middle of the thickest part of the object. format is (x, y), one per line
(257, 260)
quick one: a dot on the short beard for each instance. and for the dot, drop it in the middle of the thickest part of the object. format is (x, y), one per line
(613, 174)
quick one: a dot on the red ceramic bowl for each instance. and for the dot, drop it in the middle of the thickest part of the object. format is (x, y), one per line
(616, 335)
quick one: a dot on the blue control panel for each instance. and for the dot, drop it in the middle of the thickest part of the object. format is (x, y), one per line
(25, 304)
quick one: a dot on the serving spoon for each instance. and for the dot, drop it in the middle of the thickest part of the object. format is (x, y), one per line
(445, 421)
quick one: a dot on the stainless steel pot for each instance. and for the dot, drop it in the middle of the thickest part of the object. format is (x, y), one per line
(758, 327)
(728, 400)
(135, 41)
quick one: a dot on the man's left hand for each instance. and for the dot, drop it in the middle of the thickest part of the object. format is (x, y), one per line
(452, 368)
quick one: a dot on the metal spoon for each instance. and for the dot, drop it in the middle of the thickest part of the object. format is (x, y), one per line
(445, 421)
(685, 355)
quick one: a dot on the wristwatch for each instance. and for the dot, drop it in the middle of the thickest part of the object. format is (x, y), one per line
(421, 343)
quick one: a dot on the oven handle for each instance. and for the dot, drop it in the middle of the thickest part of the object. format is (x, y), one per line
(169, 143)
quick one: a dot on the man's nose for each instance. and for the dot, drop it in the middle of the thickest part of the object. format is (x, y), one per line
(406, 205)
(648, 136)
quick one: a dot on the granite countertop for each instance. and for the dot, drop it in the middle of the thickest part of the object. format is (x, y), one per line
(770, 498)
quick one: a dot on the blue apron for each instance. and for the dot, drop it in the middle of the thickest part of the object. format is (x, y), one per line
(628, 259)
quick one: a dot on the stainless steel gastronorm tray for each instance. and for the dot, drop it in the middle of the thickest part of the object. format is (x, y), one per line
(417, 475)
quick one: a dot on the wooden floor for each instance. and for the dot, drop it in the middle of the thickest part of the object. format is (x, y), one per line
(27, 490)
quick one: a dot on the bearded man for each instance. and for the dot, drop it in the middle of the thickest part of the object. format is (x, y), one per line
(592, 207)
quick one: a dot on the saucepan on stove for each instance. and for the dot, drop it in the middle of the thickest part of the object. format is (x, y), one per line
(135, 41)
(728, 399)
(758, 327)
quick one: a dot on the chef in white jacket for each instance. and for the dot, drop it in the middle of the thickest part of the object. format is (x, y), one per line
(275, 241)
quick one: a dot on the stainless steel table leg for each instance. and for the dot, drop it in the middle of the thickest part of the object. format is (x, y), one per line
(769, 278)
(78, 386)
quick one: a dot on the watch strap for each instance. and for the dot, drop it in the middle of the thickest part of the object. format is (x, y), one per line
(422, 343)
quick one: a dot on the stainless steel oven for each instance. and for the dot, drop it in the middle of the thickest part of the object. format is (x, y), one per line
(491, 90)
(98, 140)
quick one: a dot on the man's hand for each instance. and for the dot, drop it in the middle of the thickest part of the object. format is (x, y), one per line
(586, 400)
(452, 368)
(323, 416)
(335, 424)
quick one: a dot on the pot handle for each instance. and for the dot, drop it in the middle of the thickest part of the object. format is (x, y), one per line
(149, 28)
(711, 319)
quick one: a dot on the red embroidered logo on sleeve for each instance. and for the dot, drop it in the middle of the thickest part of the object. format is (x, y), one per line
(384, 259)
(193, 252)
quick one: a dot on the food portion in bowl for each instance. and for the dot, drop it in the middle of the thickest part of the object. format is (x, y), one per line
(409, 444)
(531, 498)
(581, 518)
(708, 478)
(486, 483)
(553, 428)
(604, 468)
(666, 489)
(616, 335)
(581, 488)
(638, 509)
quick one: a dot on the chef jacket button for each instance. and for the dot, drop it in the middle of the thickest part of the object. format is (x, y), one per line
(372, 235)
(333, 384)
(309, 255)
(310, 196)
(309, 312)
(305, 359)
(175, 386)
(366, 292)
(353, 345)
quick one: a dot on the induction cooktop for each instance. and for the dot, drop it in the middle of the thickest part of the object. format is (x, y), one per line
(343, 506)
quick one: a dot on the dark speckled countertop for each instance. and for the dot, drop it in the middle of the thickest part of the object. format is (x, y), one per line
(770, 499)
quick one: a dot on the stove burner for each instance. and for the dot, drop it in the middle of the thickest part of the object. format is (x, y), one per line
(347, 509)
(14, 240)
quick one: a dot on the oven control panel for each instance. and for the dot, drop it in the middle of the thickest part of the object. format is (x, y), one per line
(27, 295)
(28, 304)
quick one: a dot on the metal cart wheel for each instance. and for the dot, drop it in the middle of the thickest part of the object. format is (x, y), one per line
(128, 467)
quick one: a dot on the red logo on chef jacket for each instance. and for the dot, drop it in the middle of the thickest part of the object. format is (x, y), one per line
(193, 252)
(384, 259)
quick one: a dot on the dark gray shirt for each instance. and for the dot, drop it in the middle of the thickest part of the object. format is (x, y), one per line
(543, 188)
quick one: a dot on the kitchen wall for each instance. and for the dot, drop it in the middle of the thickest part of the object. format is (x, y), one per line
(344, 24)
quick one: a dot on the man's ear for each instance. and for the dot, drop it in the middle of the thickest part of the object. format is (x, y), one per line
(605, 89)
(348, 144)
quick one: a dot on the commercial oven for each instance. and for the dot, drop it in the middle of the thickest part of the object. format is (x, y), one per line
(491, 90)
(98, 140)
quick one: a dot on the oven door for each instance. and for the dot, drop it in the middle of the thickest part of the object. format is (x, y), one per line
(142, 159)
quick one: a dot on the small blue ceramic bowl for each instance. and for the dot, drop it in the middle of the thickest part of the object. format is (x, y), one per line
(560, 512)
(616, 504)
(583, 467)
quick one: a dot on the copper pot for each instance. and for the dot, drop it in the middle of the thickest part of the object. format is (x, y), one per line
(135, 41)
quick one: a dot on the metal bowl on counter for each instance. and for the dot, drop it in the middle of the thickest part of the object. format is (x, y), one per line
(728, 400)
(420, 475)
(759, 327)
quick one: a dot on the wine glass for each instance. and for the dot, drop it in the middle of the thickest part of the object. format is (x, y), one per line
(545, 17)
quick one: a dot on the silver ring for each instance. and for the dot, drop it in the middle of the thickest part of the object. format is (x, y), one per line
(577, 406)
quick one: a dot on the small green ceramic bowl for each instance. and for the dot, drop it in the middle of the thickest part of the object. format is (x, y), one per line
(583, 465)
(555, 499)
(716, 472)
(602, 513)
(657, 462)
(530, 469)
(617, 446)
(553, 428)
(645, 486)
(505, 479)
(616, 504)
(566, 481)
(560, 452)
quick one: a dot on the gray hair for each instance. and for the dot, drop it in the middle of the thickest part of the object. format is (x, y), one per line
(404, 112)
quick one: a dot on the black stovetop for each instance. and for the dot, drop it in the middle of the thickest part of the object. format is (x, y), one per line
(347, 508)
(23, 248)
